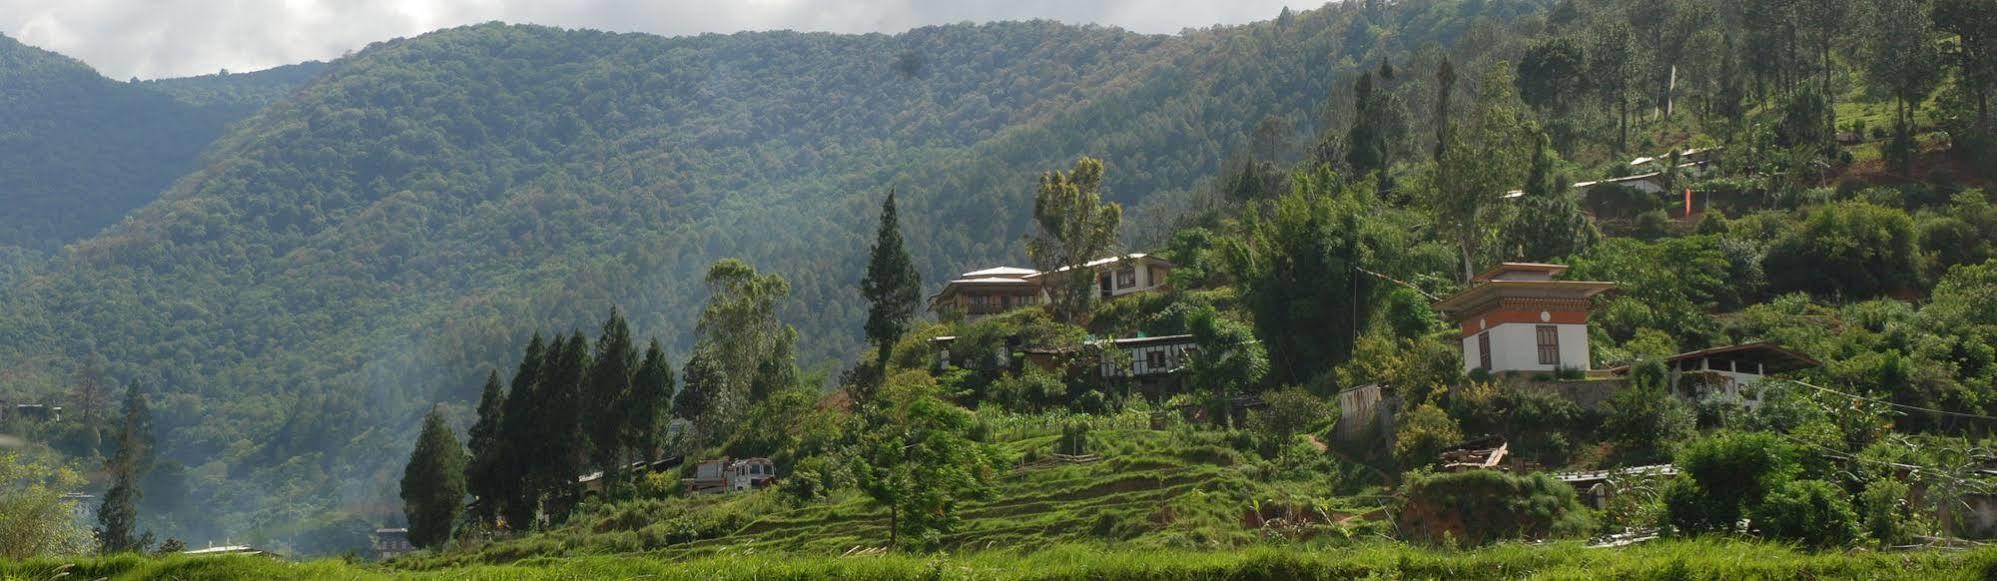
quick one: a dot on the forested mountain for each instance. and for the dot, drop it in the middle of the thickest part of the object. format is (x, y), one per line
(78, 151)
(389, 233)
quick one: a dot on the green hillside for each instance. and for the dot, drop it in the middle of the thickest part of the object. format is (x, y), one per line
(79, 151)
(380, 239)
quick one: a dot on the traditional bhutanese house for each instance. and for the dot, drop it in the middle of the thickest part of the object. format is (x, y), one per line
(991, 291)
(1724, 371)
(1153, 367)
(724, 475)
(1516, 317)
(391, 543)
(1122, 275)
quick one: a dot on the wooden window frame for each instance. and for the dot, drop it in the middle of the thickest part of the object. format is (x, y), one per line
(1548, 339)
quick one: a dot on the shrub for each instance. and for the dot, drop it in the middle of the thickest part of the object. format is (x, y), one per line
(1812, 512)
(1724, 477)
(1888, 517)
(1291, 411)
(1644, 420)
(1481, 506)
(1422, 433)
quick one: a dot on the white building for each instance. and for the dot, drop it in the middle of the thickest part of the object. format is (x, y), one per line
(1728, 371)
(1516, 317)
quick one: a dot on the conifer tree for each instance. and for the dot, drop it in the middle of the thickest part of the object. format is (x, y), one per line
(892, 289)
(433, 483)
(650, 403)
(563, 444)
(482, 472)
(604, 397)
(515, 460)
(118, 516)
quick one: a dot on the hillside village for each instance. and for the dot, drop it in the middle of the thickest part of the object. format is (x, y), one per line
(1562, 288)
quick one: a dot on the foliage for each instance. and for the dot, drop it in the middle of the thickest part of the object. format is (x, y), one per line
(1487, 158)
(1812, 512)
(1422, 432)
(1645, 419)
(1850, 250)
(919, 461)
(1490, 505)
(117, 517)
(1291, 411)
(35, 519)
(1298, 271)
(1725, 477)
(433, 484)
(1229, 359)
(1075, 227)
(891, 287)
(1888, 515)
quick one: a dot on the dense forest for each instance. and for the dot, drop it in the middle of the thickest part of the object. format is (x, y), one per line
(389, 233)
(79, 151)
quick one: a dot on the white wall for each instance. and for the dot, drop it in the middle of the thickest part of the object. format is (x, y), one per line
(1515, 347)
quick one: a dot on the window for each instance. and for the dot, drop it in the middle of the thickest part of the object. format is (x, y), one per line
(1155, 359)
(1549, 344)
(1157, 276)
(1126, 278)
(1484, 351)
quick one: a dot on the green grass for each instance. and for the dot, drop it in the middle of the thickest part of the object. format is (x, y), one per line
(1662, 560)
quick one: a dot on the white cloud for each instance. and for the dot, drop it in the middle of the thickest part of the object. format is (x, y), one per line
(165, 38)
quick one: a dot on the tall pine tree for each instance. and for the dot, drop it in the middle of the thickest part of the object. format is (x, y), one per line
(433, 483)
(892, 289)
(118, 517)
(604, 395)
(516, 498)
(649, 406)
(483, 472)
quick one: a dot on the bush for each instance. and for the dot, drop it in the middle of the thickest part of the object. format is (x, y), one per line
(1481, 506)
(1888, 517)
(1812, 512)
(1422, 433)
(1725, 476)
(1291, 411)
(1645, 420)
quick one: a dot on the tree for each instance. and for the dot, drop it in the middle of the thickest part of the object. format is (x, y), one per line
(1229, 361)
(1974, 24)
(650, 404)
(1645, 419)
(89, 397)
(35, 519)
(433, 483)
(741, 328)
(483, 471)
(563, 449)
(1549, 223)
(606, 398)
(1550, 74)
(1903, 58)
(1445, 89)
(1488, 158)
(1812, 512)
(703, 387)
(1377, 125)
(118, 516)
(920, 462)
(1075, 227)
(517, 457)
(893, 290)
(1299, 272)
(1854, 250)
(1614, 64)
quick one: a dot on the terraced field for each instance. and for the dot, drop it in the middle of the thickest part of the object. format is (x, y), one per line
(1152, 488)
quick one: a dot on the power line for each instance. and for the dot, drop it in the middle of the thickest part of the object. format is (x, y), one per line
(1892, 404)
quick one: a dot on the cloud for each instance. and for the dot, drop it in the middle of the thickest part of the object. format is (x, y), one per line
(166, 38)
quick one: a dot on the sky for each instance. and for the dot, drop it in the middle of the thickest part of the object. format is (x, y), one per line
(171, 38)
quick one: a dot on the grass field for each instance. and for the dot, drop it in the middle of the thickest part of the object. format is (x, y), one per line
(1662, 560)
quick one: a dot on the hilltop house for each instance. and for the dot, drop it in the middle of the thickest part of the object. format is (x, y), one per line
(990, 291)
(1516, 317)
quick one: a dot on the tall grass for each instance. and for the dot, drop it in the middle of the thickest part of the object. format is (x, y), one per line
(1696, 559)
